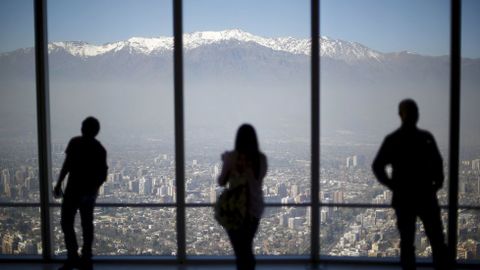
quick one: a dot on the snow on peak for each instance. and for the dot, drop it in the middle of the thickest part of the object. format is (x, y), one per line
(345, 50)
(218, 35)
(150, 45)
(197, 39)
(79, 48)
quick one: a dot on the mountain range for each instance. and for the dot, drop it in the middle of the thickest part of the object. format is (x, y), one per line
(348, 51)
(231, 77)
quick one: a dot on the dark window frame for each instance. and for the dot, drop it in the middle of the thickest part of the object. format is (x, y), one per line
(43, 126)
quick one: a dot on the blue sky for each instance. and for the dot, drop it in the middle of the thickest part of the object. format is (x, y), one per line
(384, 25)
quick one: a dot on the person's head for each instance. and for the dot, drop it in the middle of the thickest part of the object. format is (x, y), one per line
(246, 144)
(246, 141)
(90, 127)
(408, 111)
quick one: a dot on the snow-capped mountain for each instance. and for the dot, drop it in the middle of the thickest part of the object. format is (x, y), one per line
(339, 49)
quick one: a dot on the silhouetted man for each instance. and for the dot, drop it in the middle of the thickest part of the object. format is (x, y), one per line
(86, 166)
(417, 175)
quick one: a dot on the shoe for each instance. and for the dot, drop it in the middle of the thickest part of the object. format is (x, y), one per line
(86, 263)
(70, 265)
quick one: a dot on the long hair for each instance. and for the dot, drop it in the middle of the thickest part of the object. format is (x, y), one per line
(246, 143)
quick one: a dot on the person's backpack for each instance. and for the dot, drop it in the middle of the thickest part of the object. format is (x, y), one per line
(231, 208)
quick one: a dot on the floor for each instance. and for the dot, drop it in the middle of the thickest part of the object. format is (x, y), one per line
(132, 266)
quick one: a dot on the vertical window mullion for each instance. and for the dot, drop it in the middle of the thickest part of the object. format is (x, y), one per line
(455, 38)
(315, 130)
(43, 121)
(179, 127)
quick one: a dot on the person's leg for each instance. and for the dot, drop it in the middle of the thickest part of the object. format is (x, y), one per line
(234, 240)
(67, 221)
(434, 230)
(406, 219)
(86, 214)
(250, 256)
(238, 238)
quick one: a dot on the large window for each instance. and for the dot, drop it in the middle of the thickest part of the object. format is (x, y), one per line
(367, 68)
(125, 80)
(244, 61)
(364, 76)
(18, 139)
(469, 168)
(19, 183)
(236, 72)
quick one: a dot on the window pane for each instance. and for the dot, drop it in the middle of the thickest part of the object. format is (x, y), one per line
(204, 235)
(244, 63)
(469, 171)
(282, 231)
(18, 134)
(20, 231)
(367, 68)
(367, 232)
(118, 69)
(126, 231)
(468, 235)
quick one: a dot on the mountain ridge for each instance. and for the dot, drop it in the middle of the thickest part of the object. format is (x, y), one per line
(335, 48)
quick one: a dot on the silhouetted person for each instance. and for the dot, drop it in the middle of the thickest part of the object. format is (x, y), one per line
(416, 176)
(86, 166)
(248, 161)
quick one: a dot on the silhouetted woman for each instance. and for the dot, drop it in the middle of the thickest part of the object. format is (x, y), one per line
(251, 164)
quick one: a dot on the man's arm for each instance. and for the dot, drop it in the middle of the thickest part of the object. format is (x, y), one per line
(380, 164)
(103, 169)
(63, 173)
(437, 161)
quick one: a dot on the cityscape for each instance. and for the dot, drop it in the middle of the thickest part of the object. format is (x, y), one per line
(238, 62)
(147, 175)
